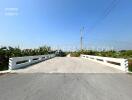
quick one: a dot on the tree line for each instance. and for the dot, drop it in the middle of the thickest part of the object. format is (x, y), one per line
(8, 52)
(112, 53)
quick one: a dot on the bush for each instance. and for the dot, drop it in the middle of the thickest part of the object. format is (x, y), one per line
(75, 54)
(115, 54)
(86, 52)
(126, 53)
(130, 65)
(3, 63)
(8, 52)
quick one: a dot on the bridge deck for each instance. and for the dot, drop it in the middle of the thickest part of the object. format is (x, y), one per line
(68, 65)
(84, 80)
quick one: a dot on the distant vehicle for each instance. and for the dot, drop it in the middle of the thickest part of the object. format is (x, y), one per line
(60, 53)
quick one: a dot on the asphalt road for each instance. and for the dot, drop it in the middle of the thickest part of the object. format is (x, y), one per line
(39, 85)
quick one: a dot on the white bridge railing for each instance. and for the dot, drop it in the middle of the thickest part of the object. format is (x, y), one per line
(19, 62)
(119, 63)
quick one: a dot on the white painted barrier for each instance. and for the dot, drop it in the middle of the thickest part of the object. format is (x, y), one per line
(19, 62)
(119, 63)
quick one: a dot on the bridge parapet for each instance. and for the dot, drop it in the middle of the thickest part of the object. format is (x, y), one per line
(118, 63)
(19, 62)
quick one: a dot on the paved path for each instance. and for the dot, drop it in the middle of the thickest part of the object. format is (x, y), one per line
(94, 84)
(68, 65)
(66, 87)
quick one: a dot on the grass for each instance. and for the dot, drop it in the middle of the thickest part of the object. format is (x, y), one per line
(130, 65)
(75, 54)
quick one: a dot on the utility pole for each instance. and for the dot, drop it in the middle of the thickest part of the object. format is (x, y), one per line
(81, 38)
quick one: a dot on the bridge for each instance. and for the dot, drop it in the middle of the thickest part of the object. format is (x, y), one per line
(68, 65)
(62, 78)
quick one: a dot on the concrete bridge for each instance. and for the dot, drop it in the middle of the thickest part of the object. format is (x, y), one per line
(66, 78)
(68, 65)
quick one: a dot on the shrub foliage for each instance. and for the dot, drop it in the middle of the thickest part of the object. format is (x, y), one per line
(8, 52)
(115, 54)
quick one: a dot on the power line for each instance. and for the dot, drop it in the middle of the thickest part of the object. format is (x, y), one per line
(113, 4)
(106, 12)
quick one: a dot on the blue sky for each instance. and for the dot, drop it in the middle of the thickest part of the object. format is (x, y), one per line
(33, 23)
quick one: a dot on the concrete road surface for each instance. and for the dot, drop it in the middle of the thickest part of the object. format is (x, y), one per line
(66, 87)
(68, 65)
(55, 80)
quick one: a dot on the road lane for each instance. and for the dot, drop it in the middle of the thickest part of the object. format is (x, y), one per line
(88, 86)
(68, 65)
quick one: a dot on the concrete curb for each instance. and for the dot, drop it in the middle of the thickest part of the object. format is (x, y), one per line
(129, 72)
(6, 71)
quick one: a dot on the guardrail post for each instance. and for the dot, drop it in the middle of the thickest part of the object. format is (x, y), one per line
(40, 58)
(124, 65)
(105, 61)
(30, 60)
(11, 63)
